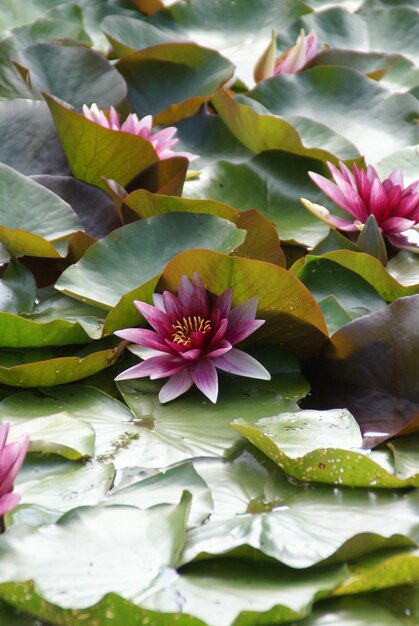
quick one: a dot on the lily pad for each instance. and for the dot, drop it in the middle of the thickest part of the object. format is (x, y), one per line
(95, 152)
(28, 232)
(378, 124)
(71, 574)
(372, 362)
(116, 264)
(164, 76)
(77, 75)
(256, 516)
(43, 368)
(326, 447)
(271, 182)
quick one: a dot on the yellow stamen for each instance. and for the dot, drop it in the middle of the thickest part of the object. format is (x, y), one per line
(187, 325)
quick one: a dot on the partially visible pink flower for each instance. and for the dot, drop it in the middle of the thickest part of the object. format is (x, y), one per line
(161, 140)
(12, 456)
(361, 193)
(298, 56)
(191, 338)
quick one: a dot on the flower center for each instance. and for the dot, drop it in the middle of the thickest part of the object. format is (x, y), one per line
(186, 326)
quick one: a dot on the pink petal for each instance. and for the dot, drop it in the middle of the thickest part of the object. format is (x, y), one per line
(158, 301)
(223, 303)
(396, 177)
(244, 311)
(186, 292)
(12, 455)
(155, 367)
(407, 205)
(219, 335)
(409, 240)
(341, 223)
(242, 329)
(156, 318)
(191, 355)
(241, 363)
(222, 348)
(172, 306)
(4, 431)
(114, 119)
(396, 225)
(378, 199)
(8, 502)
(176, 385)
(205, 378)
(331, 190)
(143, 337)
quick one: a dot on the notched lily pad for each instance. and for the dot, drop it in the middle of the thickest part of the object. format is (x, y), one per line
(326, 447)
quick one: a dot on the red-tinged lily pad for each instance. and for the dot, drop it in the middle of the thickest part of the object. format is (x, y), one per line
(45, 368)
(263, 131)
(95, 152)
(262, 241)
(293, 317)
(370, 366)
(164, 76)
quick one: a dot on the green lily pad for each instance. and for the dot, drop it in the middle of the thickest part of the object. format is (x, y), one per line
(43, 368)
(71, 574)
(256, 515)
(238, 30)
(167, 488)
(127, 34)
(63, 435)
(191, 427)
(77, 75)
(95, 152)
(354, 294)
(163, 76)
(377, 123)
(261, 131)
(404, 267)
(116, 264)
(28, 232)
(37, 152)
(49, 487)
(111, 421)
(53, 321)
(326, 447)
(271, 182)
(262, 241)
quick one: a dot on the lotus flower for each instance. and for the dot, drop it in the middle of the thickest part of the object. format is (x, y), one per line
(361, 193)
(298, 56)
(12, 456)
(162, 140)
(191, 339)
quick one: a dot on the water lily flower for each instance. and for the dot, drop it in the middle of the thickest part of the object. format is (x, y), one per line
(191, 339)
(299, 55)
(292, 61)
(12, 456)
(361, 193)
(161, 140)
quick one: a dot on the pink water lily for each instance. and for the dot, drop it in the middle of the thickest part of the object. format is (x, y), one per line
(361, 193)
(161, 140)
(191, 339)
(12, 456)
(298, 56)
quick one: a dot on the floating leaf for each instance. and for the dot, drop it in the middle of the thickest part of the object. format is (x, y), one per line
(116, 264)
(326, 447)
(95, 152)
